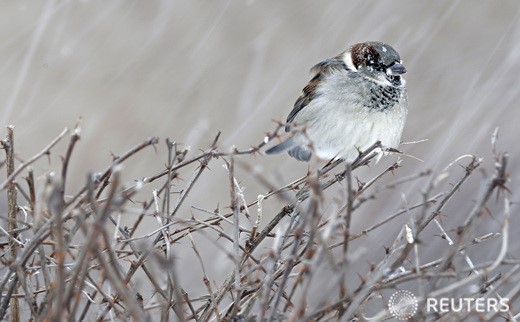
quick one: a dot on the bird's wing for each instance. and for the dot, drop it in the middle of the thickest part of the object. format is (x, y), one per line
(309, 92)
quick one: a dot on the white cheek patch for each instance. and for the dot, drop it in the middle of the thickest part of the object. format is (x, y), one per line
(382, 80)
(347, 58)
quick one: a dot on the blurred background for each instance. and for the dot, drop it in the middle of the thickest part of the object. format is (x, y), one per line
(187, 69)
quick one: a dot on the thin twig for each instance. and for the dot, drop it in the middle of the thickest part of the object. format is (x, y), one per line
(27, 163)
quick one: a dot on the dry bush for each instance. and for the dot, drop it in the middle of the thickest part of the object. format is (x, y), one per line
(67, 257)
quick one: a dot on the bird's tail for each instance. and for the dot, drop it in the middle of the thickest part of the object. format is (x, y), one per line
(282, 147)
(300, 153)
(295, 151)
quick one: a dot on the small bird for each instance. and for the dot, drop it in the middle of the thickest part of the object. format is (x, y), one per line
(354, 100)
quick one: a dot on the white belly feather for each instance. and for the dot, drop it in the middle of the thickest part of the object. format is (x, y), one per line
(337, 128)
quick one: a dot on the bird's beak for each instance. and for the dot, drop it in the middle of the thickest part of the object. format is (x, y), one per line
(396, 69)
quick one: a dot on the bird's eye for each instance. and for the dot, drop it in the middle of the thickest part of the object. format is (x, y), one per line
(376, 65)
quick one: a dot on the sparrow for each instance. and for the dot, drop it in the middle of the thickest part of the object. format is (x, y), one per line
(354, 100)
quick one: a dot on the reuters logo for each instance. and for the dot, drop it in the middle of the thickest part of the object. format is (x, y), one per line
(402, 305)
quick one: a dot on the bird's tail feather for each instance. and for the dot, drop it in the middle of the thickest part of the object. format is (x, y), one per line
(295, 151)
(282, 147)
(300, 153)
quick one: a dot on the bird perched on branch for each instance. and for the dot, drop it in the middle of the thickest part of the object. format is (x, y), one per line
(354, 100)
